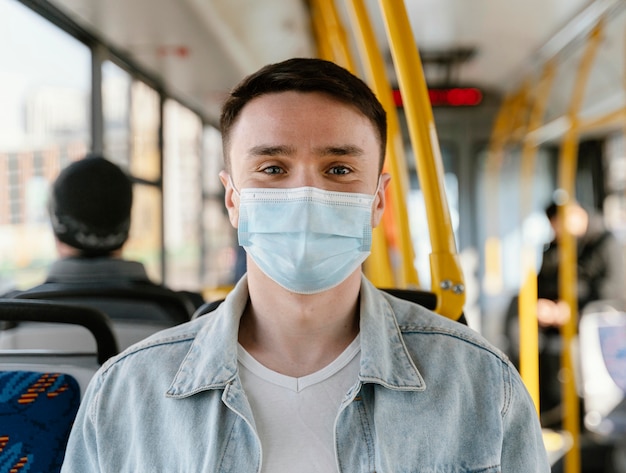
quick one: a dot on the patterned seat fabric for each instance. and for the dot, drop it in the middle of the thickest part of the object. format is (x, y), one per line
(36, 414)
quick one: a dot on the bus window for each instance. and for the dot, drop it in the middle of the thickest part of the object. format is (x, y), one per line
(183, 196)
(44, 124)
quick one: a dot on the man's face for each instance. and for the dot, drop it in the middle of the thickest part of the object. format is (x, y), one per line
(293, 139)
(576, 221)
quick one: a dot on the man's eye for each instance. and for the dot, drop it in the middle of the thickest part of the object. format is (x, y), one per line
(272, 170)
(339, 170)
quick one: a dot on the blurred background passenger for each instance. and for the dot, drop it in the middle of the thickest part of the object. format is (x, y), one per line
(600, 276)
(600, 268)
(90, 212)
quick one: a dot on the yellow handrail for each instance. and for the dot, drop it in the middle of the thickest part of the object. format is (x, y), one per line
(328, 26)
(335, 34)
(446, 275)
(529, 338)
(568, 255)
(493, 253)
(395, 161)
(322, 40)
(504, 127)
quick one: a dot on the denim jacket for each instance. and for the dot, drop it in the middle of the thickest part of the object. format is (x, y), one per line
(432, 396)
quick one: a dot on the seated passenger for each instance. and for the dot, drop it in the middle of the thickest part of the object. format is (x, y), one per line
(306, 366)
(90, 212)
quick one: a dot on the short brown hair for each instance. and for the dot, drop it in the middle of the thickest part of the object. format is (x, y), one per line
(304, 75)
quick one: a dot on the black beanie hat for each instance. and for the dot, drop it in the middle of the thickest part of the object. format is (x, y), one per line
(90, 206)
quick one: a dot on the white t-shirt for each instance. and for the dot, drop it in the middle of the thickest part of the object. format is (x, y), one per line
(295, 417)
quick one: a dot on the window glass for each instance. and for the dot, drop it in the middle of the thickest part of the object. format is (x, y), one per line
(220, 238)
(131, 139)
(182, 196)
(144, 241)
(142, 141)
(499, 215)
(116, 90)
(615, 202)
(45, 79)
(145, 121)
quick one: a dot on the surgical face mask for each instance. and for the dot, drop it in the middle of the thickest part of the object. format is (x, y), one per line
(305, 239)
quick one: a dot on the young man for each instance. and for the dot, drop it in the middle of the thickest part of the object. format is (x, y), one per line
(306, 366)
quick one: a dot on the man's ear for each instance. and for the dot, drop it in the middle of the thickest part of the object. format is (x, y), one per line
(379, 199)
(231, 200)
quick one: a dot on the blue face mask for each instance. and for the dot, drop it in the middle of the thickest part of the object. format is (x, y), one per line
(305, 239)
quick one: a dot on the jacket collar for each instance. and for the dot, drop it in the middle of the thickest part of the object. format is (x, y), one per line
(385, 359)
(211, 362)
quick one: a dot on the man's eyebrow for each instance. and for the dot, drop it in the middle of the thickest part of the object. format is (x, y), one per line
(284, 150)
(270, 150)
(343, 150)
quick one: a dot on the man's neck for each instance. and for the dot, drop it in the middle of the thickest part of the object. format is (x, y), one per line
(297, 334)
(66, 251)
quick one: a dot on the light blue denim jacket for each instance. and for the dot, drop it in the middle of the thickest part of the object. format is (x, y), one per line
(432, 396)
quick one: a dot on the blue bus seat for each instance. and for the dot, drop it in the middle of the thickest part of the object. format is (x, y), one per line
(40, 388)
(602, 345)
(37, 410)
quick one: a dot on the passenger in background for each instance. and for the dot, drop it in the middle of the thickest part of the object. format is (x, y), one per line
(600, 276)
(306, 366)
(600, 267)
(90, 213)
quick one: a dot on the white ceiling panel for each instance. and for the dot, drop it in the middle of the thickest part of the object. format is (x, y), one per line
(200, 48)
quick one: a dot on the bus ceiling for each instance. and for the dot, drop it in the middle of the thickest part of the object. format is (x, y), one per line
(198, 49)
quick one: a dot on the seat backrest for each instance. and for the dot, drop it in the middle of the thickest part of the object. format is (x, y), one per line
(13, 312)
(136, 311)
(40, 389)
(602, 348)
(424, 298)
(120, 302)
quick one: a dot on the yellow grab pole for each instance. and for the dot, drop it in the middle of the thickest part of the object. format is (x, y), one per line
(395, 158)
(503, 128)
(447, 278)
(529, 148)
(324, 48)
(568, 255)
(336, 34)
(567, 293)
(609, 120)
(529, 337)
(492, 283)
(378, 266)
(493, 258)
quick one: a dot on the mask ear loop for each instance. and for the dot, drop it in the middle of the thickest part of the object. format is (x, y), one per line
(380, 181)
(372, 209)
(378, 189)
(232, 184)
